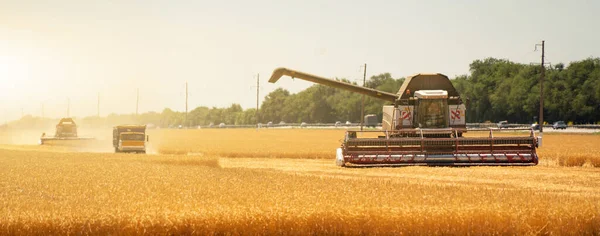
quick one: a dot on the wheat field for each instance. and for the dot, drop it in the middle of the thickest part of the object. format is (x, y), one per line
(285, 182)
(557, 149)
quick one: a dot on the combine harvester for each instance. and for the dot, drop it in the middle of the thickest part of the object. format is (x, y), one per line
(424, 125)
(66, 132)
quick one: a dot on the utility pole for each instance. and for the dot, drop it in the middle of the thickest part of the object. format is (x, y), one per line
(98, 105)
(362, 105)
(257, 96)
(541, 117)
(137, 102)
(257, 92)
(186, 104)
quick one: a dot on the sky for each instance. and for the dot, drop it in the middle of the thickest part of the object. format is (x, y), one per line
(55, 53)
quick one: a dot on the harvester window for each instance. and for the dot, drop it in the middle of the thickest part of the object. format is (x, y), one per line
(432, 113)
(137, 137)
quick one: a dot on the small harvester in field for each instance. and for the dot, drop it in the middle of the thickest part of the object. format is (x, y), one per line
(424, 124)
(66, 131)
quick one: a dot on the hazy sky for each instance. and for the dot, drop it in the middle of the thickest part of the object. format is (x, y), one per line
(54, 50)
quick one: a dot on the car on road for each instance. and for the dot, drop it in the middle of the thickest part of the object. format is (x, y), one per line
(535, 126)
(559, 125)
(502, 124)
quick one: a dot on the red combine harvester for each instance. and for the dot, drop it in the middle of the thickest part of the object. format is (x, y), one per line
(424, 125)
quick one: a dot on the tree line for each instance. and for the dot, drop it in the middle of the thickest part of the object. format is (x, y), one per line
(499, 89)
(495, 89)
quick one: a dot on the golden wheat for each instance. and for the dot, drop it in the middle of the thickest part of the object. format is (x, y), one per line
(291, 143)
(48, 191)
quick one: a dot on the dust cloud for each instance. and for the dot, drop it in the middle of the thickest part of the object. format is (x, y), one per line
(96, 140)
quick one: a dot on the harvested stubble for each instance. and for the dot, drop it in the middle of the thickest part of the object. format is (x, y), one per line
(93, 193)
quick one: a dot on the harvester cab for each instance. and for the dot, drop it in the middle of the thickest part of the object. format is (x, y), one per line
(423, 125)
(66, 127)
(433, 104)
